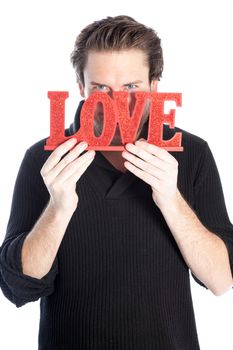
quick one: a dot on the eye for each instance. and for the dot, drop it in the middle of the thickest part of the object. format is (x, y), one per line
(101, 87)
(131, 86)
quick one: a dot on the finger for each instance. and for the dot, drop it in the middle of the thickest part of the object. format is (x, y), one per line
(145, 155)
(141, 164)
(56, 155)
(72, 155)
(159, 152)
(79, 172)
(74, 166)
(149, 179)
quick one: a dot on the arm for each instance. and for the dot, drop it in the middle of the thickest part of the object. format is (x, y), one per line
(41, 244)
(203, 250)
(60, 176)
(28, 202)
(28, 254)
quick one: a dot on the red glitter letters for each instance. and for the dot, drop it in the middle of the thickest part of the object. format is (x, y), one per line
(115, 110)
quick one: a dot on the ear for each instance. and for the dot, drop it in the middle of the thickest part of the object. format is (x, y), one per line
(81, 89)
(154, 85)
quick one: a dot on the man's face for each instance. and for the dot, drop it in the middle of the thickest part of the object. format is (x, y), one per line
(124, 70)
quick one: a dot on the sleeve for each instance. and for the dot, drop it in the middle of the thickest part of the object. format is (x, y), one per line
(209, 204)
(28, 202)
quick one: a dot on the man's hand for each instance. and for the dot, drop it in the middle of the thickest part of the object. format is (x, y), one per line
(60, 175)
(203, 251)
(156, 167)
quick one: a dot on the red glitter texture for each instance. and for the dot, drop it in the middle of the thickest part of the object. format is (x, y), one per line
(115, 110)
(158, 118)
(57, 116)
(86, 131)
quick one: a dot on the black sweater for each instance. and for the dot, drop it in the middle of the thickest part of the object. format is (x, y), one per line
(119, 281)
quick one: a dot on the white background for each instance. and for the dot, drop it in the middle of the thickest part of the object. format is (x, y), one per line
(36, 39)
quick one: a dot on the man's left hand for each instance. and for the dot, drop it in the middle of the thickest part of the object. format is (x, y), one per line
(156, 167)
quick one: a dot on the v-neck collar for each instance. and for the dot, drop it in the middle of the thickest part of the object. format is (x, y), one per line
(99, 170)
(99, 174)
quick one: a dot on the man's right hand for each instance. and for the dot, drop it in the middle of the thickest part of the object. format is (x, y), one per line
(60, 175)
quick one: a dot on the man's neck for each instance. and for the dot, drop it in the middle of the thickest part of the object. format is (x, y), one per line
(116, 159)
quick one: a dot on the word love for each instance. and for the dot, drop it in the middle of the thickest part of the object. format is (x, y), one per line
(115, 111)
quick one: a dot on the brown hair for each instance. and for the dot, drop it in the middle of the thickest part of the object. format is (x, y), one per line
(116, 33)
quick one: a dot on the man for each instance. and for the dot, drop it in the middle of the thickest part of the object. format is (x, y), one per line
(106, 239)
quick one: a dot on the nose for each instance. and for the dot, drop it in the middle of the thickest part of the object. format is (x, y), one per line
(131, 98)
(130, 94)
(112, 90)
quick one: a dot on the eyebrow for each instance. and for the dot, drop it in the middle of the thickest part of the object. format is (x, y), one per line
(132, 82)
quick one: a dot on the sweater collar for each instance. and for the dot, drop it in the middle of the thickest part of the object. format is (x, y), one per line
(122, 186)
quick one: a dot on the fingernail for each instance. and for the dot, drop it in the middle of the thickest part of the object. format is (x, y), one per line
(83, 144)
(73, 140)
(140, 140)
(91, 153)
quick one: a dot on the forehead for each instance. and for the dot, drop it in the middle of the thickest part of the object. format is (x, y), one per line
(129, 64)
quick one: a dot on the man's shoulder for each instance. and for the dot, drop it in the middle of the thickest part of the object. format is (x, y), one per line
(38, 146)
(38, 153)
(189, 140)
